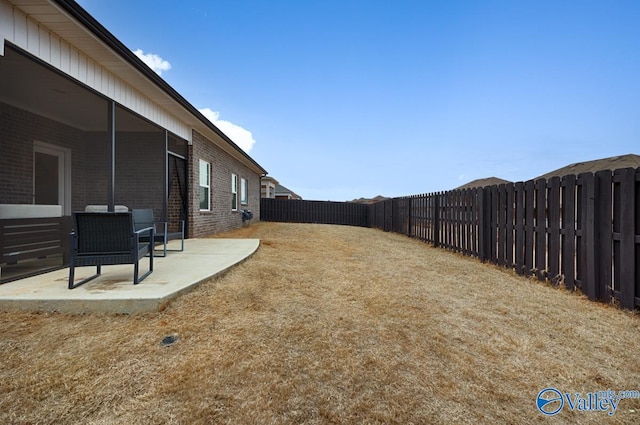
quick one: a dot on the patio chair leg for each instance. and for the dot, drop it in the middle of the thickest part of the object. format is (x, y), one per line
(135, 272)
(136, 266)
(73, 285)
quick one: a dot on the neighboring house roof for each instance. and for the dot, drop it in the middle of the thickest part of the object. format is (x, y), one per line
(612, 163)
(283, 191)
(370, 200)
(487, 181)
(93, 36)
(269, 179)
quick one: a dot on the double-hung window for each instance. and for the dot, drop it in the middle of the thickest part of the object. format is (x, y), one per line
(243, 192)
(205, 186)
(234, 192)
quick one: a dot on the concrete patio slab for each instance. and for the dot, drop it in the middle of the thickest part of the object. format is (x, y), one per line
(114, 291)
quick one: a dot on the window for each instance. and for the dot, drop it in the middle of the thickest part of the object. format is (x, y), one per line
(205, 178)
(243, 192)
(234, 192)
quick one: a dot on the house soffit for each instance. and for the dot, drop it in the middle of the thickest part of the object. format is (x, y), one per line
(73, 32)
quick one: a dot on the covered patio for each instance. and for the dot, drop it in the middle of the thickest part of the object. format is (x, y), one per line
(65, 145)
(114, 292)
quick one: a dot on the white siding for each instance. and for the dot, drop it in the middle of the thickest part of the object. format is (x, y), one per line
(38, 40)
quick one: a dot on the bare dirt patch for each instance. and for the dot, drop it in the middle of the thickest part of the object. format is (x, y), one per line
(326, 324)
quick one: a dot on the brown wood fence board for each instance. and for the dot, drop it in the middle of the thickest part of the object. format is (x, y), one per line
(454, 220)
(569, 231)
(553, 226)
(604, 233)
(540, 229)
(473, 193)
(501, 203)
(528, 226)
(460, 224)
(519, 227)
(446, 221)
(588, 272)
(511, 217)
(483, 224)
(468, 200)
(579, 226)
(625, 255)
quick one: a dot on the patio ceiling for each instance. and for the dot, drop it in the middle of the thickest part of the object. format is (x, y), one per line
(38, 89)
(59, 21)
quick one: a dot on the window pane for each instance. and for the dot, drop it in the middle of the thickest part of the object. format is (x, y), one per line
(204, 173)
(204, 198)
(243, 191)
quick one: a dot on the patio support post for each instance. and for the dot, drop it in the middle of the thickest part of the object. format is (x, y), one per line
(165, 198)
(111, 123)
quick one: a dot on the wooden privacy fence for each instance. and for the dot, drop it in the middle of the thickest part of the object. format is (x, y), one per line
(582, 231)
(299, 211)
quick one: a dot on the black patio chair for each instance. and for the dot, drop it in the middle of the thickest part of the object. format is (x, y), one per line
(143, 218)
(101, 239)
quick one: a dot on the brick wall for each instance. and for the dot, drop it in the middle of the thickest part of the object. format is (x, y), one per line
(139, 181)
(139, 158)
(221, 218)
(175, 202)
(18, 130)
(139, 178)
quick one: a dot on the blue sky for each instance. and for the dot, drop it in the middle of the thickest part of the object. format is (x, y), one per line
(341, 99)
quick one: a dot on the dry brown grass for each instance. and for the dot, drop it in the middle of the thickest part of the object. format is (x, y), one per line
(326, 324)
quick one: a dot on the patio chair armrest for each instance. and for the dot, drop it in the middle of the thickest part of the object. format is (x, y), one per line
(162, 225)
(140, 232)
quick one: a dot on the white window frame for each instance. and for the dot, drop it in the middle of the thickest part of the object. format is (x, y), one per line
(204, 183)
(244, 200)
(234, 192)
(64, 171)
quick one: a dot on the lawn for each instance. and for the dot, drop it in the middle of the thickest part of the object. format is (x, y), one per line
(327, 325)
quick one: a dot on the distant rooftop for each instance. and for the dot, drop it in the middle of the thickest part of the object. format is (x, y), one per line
(283, 191)
(370, 200)
(612, 163)
(487, 181)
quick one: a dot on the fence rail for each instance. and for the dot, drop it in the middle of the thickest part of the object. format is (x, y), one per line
(579, 231)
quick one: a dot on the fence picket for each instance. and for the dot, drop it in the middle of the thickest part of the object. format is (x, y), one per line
(569, 231)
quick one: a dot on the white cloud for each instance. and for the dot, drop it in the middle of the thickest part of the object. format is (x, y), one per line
(153, 61)
(240, 136)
